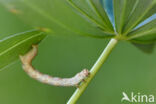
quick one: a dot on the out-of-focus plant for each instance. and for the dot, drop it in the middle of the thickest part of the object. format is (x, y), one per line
(133, 21)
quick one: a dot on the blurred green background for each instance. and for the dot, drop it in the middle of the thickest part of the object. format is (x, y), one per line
(126, 70)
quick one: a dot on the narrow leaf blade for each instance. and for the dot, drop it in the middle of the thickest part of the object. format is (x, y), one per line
(122, 11)
(93, 11)
(142, 11)
(13, 46)
(48, 14)
(146, 32)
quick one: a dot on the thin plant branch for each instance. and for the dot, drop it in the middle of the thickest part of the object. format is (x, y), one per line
(44, 78)
(76, 95)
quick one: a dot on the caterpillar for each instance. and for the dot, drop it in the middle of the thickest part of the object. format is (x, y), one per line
(47, 79)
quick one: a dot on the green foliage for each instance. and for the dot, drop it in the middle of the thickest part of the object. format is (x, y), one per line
(55, 15)
(14, 45)
(93, 11)
(128, 14)
(88, 18)
(83, 18)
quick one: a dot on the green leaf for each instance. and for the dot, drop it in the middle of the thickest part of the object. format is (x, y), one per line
(146, 32)
(93, 11)
(128, 15)
(151, 38)
(141, 11)
(150, 12)
(55, 15)
(145, 43)
(14, 45)
(147, 48)
(122, 11)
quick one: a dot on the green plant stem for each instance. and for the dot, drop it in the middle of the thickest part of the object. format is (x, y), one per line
(93, 71)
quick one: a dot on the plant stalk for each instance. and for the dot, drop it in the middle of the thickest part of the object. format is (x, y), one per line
(93, 71)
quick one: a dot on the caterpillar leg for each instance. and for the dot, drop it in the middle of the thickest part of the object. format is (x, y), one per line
(44, 78)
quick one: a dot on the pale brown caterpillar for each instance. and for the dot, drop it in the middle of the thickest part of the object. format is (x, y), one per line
(44, 78)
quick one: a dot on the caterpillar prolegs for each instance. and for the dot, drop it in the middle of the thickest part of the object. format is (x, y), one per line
(44, 78)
